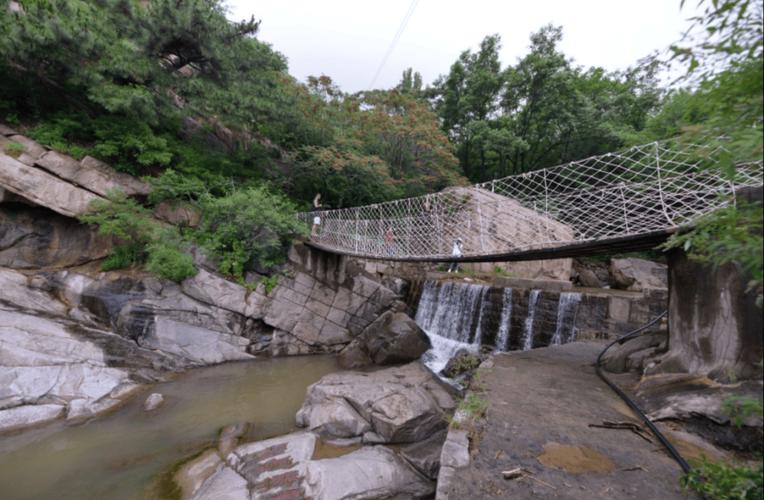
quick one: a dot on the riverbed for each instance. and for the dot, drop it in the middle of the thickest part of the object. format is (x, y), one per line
(119, 456)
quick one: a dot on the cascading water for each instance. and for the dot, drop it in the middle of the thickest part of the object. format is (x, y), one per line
(446, 313)
(479, 330)
(463, 316)
(533, 299)
(567, 309)
(502, 340)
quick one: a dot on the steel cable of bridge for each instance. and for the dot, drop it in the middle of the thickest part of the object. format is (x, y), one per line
(394, 42)
(658, 434)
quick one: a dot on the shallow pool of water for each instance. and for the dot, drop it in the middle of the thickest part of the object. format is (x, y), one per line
(118, 456)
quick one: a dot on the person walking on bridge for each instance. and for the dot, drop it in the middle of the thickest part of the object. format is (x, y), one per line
(316, 213)
(456, 251)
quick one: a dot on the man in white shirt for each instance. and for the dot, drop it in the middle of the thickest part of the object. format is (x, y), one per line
(456, 252)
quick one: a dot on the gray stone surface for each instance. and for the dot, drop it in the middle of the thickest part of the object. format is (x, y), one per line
(195, 343)
(638, 274)
(43, 188)
(32, 237)
(368, 473)
(153, 401)
(425, 455)
(193, 474)
(224, 484)
(393, 338)
(517, 430)
(401, 404)
(715, 323)
(619, 358)
(41, 363)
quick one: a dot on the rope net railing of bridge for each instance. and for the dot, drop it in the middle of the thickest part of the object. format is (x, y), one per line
(644, 189)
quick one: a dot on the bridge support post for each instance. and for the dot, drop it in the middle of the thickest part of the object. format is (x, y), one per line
(715, 326)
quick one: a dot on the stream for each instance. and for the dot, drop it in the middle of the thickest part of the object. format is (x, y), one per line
(119, 456)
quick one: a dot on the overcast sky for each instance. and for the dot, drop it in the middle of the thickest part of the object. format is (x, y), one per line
(347, 39)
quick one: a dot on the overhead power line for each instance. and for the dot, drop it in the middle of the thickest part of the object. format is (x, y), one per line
(396, 37)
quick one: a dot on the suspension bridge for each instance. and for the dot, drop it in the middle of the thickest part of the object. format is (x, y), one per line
(624, 201)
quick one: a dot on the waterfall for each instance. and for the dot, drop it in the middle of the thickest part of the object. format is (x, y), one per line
(481, 315)
(533, 299)
(567, 308)
(502, 339)
(447, 313)
(462, 316)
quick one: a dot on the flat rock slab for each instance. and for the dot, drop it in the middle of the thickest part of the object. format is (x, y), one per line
(541, 404)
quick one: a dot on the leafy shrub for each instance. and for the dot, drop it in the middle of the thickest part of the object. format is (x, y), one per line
(123, 256)
(169, 262)
(64, 132)
(128, 144)
(139, 238)
(739, 408)
(731, 234)
(172, 185)
(249, 227)
(270, 282)
(726, 482)
(128, 222)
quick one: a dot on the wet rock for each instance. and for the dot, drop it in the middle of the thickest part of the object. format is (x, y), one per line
(638, 274)
(153, 401)
(229, 437)
(631, 354)
(368, 473)
(402, 404)
(224, 484)
(192, 475)
(24, 416)
(392, 338)
(425, 455)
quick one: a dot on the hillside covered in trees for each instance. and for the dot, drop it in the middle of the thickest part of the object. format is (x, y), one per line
(207, 111)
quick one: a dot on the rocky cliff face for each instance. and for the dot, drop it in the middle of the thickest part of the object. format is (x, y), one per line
(74, 341)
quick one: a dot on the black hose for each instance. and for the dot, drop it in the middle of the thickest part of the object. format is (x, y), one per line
(620, 340)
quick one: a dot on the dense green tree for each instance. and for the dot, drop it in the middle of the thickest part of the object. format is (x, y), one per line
(539, 112)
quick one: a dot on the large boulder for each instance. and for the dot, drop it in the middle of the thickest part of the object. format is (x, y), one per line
(392, 338)
(497, 224)
(638, 274)
(368, 473)
(403, 404)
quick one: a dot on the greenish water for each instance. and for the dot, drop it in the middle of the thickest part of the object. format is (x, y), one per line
(118, 456)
